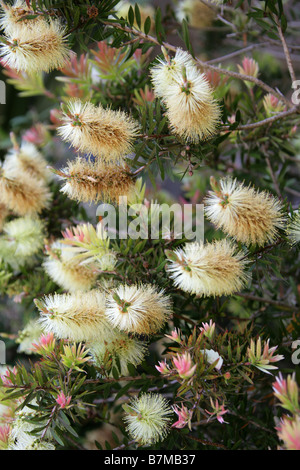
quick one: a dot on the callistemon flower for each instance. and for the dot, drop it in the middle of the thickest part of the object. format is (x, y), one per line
(67, 270)
(175, 335)
(11, 15)
(183, 416)
(250, 216)
(28, 159)
(289, 432)
(262, 358)
(184, 365)
(85, 181)
(39, 48)
(209, 269)
(46, 344)
(287, 392)
(218, 411)
(198, 14)
(97, 131)
(272, 105)
(147, 418)
(293, 229)
(163, 367)
(249, 67)
(5, 431)
(141, 309)
(192, 111)
(77, 317)
(164, 72)
(212, 356)
(208, 329)
(63, 401)
(22, 238)
(22, 194)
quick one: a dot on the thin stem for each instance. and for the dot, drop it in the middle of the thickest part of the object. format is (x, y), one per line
(286, 51)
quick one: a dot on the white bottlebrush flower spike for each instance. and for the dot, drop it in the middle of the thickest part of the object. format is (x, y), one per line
(77, 317)
(164, 72)
(21, 239)
(148, 418)
(22, 194)
(96, 131)
(293, 229)
(140, 309)
(67, 271)
(13, 17)
(210, 269)
(39, 48)
(250, 216)
(191, 108)
(197, 13)
(118, 346)
(29, 335)
(26, 159)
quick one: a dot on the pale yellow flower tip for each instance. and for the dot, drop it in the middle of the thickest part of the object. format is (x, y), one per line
(23, 194)
(250, 216)
(41, 47)
(97, 131)
(148, 418)
(66, 270)
(140, 309)
(93, 182)
(77, 317)
(210, 269)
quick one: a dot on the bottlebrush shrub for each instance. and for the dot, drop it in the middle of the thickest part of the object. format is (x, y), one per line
(177, 342)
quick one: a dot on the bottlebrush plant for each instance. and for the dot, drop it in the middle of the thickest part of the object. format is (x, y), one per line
(149, 225)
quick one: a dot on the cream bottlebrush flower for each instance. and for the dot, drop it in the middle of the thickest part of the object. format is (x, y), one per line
(164, 72)
(193, 112)
(26, 159)
(23, 195)
(28, 336)
(209, 269)
(148, 418)
(140, 309)
(68, 272)
(77, 317)
(243, 212)
(13, 17)
(118, 346)
(272, 105)
(39, 48)
(293, 229)
(197, 13)
(21, 239)
(94, 130)
(93, 182)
